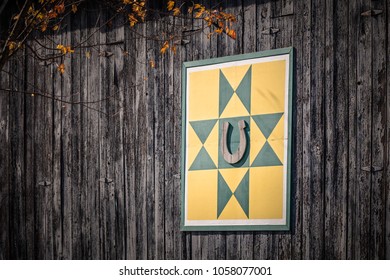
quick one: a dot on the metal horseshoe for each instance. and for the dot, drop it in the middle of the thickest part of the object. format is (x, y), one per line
(238, 155)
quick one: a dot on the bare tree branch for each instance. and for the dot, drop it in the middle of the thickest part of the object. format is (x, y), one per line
(6, 53)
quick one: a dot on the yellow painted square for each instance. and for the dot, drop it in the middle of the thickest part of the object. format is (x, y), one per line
(266, 192)
(268, 87)
(202, 195)
(203, 99)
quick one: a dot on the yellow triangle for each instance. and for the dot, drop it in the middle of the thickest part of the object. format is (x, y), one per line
(193, 147)
(257, 141)
(234, 108)
(233, 176)
(276, 139)
(211, 145)
(233, 211)
(235, 74)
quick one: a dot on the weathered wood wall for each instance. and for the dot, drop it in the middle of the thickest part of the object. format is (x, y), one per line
(101, 180)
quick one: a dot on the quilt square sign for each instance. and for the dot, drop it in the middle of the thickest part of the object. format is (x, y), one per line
(237, 142)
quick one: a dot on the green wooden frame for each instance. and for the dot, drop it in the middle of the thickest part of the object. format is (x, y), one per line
(187, 65)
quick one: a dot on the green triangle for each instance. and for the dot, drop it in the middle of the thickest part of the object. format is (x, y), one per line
(224, 194)
(203, 161)
(225, 92)
(203, 128)
(266, 157)
(267, 123)
(244, 89)
(242, 194)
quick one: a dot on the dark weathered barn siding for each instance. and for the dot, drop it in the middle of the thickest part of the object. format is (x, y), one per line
(102, 180)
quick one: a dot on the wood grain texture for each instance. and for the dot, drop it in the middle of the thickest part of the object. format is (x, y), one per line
(85, 207)
(364, 132)
(378, 126)
(305, 92)
(298, 122)
(336, 122)
(129, 133)
(34, 221)
(102, 180)
(352, 128)
(17, 193)
(92, 135)
(4, 167)
(57, 160)
(140, 146)
(387, 139)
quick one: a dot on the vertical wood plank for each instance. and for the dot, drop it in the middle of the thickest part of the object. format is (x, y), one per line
(152, 90)
(160, 146)
(117, 141)
(364, 133)
(336, 104)
(104, 180)
(47, 150)
(76, 140)
(378, 126)
(306, 107)
(331, 135)
(93, 120)
(387, 214)
(107, 181)
(185, 54)
(4, 166)
(181, 239)
(298, 124)
(353, 15)
(141, 148)
(42, 159)
(170, 202)
(131, 64)
(85, 207)
(249, 29)
(17, 179)
(317, 133)
(67, 175)
(57, 158)
(34, 196)
(111, 142)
